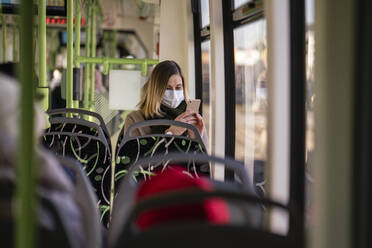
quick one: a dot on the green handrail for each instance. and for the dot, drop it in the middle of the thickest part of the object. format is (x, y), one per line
(114, 35)
(118, 61)
(3, 26)
(77, 32)
(77, 39)
(87, 52)
(70, 51)
(26, 166)
(42, 87)
(15, 33)
(93, 53)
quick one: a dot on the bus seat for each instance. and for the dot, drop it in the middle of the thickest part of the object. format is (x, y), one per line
(86, 142)
(86, 200)
(59, 217)
(131, 148)
(127, 209)
(82, 114)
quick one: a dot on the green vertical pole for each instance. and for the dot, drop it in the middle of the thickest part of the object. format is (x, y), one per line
(77, 32)
(26, 170)
(15, 57)
(43, 87)
(92, 80)
(87, 54)
(70, 40)
(3, 23)
(77, 39)
(114, 36)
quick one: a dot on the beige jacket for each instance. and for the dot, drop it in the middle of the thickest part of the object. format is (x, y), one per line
(137, 116)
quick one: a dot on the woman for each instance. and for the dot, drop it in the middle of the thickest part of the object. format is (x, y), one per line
(164, 97)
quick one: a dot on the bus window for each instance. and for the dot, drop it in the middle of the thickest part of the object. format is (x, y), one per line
(239, 3)
(206, 48)
(309, 105)
(251, 96)
(204, 4)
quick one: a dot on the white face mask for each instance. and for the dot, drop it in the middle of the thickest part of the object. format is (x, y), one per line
(173, 98)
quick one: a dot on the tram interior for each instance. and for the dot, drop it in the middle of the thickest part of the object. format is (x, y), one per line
(273, 169)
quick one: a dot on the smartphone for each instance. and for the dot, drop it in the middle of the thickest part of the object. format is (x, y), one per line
(193, 105)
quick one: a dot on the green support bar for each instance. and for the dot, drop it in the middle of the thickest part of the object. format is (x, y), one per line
(15, 52)
(87, 53)
(26, 167)
(77, 31)
(114, 36)
(118, 61)
(43, 88)
(77, 38)
(93, 53)
(70, 50)
(3, 23)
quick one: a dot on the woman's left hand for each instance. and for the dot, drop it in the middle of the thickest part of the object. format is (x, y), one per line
(199, 124)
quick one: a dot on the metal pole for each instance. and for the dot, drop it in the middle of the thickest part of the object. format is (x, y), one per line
(77, 32)
(70, 40)
(87, 53)
(4, 37)
(93, 71)
(118, 61)
(42, 88)
(77, 39)
(114, 44)
(26, 170)
(15, 55)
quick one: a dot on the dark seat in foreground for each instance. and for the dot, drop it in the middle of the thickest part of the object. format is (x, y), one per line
(245, 228)
(66, 216)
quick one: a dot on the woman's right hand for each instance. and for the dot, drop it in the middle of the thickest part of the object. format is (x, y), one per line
(186, 117)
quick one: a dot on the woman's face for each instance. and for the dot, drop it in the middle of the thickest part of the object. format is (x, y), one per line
(175, 83)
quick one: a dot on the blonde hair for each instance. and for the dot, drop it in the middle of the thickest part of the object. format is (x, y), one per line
(153, 91)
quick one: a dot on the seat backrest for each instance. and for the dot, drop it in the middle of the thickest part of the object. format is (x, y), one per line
(148, 123)
(87, 201)
(200, 233)
(85, 141)
(53, 221)
(130, 149)
(175, 179)
(124, 204)
(82, 114)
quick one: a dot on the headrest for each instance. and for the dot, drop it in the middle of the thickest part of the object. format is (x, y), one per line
(175, 178)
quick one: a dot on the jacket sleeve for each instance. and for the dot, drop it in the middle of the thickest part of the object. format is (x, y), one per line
(129, 120)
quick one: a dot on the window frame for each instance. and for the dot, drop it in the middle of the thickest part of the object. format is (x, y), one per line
(195, 6)
(296, 236)
(297, 105)
(362, 200)
(232, 19)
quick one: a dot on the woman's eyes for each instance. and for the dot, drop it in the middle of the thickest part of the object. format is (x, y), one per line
(177, 88)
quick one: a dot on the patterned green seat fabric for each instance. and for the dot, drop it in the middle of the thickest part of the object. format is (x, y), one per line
(135, 148)
(88, 145)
